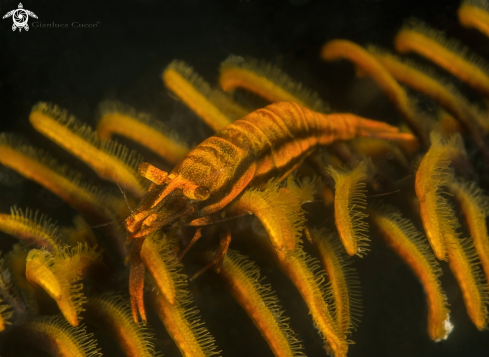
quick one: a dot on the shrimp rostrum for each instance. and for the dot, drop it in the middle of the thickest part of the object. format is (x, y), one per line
(267, 143)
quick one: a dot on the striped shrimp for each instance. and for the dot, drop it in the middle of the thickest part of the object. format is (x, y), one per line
(268, 143)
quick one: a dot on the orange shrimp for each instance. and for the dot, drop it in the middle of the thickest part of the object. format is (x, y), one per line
(241, 155)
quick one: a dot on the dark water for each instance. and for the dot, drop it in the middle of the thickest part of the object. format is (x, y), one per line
(123, 56)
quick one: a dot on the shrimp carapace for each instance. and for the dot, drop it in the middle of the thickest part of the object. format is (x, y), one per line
(242, 155)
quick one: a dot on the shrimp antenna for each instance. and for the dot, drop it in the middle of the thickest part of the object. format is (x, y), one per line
(384, 194)
(123, 194)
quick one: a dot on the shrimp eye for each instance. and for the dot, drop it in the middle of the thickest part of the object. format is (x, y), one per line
(198, 193)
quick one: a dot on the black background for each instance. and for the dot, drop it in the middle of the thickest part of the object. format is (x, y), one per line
(123, 57)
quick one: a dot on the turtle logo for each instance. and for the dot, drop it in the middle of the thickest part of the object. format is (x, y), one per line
(20, 17)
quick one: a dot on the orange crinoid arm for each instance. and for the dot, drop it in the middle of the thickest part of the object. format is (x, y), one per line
(441, 92)
(119, 119)
(475, 205)
(241, 277)
(181, 320)
(343, 279)
(30, 228)
(349, 197)
(109, 159)
(475, 14)
(432, 174)
(266, 81)
(448, 54)
(69, 185)
(55, 336)
(113, 314)
(366, 63)
(59, 275)
(401, 235)
(195, 93)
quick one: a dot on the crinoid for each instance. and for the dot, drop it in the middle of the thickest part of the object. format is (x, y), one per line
(346, 236)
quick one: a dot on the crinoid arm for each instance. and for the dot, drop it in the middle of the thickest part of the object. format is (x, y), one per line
(475, 14)
(181, 321)
(475, 204)
(194, 92)
(6, 313)
(449, 54)
(241, 277)
(112, 313)
(464, 264)
(425, 81)
(432, 175)
(267, 81)
(343, 280)
(349, 201)
(278, 210)
(366, 63)
(109, 159)
(69, 185)
(401, 235)
(55, 336)
(119, 119)
(31, 228)
(59, 275)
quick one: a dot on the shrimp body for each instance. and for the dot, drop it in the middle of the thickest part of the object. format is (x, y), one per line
(267, 143)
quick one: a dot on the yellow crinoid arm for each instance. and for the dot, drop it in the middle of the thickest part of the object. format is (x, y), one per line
(155, 255)
(475, 14)
(56, 337)
(433, 173)
(343, 278)
(241, 277)
(377, 149)
(14, 286)
(303, 271)
(401, 235)
(195, 93)
(439, 90)
(59, 274)
(464, 264)
(448, 54)
(267, 81)
(31, 228)
(109, 159)
(5, 315)
(181, 321)
(67, 184)
(119, 119)
(349, 200)
(80, 232)
(475, 205)
(43, 270)
(278, 209)
(366, 63)
(112, 313)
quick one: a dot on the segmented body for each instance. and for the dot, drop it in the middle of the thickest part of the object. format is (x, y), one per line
(268, 143)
